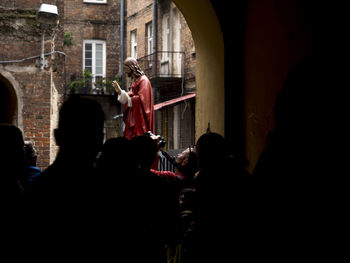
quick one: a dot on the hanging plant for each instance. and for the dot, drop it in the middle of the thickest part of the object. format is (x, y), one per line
(83, 84)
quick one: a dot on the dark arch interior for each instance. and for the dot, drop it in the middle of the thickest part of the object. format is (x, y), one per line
(8, 102)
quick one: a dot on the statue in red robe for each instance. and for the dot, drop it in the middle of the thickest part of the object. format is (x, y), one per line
(138, 113)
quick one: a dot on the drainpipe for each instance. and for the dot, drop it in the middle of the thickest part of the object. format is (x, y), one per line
(155, 46)
(155, 37)
(122, 54)
(121, 62)
(42, 57)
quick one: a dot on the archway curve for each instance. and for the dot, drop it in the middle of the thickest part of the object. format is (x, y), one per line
(209, 43)
(13, 97)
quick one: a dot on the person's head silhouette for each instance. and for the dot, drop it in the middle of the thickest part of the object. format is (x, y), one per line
(80, 128)
(145, 150)
(210, 148)
(11, 159)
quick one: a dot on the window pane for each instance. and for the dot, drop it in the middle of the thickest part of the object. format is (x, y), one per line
(99, 55)
(89, 68)
(99, 63)
(88, 62)
(88, 54)
(99, 70)
(135, 52)
(99, 47)
(88, 46)
(133, 36)
(149, 29)
(94, 58)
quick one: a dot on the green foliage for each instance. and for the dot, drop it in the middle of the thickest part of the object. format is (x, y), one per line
(105, 84)
(83, 84)
(68, 39)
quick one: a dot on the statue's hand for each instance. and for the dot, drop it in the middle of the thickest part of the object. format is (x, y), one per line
(116, 87)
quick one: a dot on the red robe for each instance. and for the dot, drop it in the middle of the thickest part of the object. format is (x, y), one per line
(139, 118)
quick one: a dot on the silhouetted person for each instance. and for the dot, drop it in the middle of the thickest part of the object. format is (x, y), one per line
(156, 200)
(300, 189)
(65, 196)
(115, 168)
(118, 206)
(11, 190)
(31, 171)
(216, 165)
(79, 137)
(185, 165)
(297, 154)
(12, 162)
(218, 201)
(115, 160)
(189, 166)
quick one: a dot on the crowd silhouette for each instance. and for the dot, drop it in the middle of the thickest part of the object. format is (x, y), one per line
(114, 205)
(12, 162)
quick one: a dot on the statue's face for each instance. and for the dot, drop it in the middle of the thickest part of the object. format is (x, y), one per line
(128, 71)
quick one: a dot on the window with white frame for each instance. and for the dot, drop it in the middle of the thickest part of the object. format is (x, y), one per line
(149, 38)
(176, 57)
(94, 59)
(165, 36)
(133, 43)
(96, 1)
(164, 65)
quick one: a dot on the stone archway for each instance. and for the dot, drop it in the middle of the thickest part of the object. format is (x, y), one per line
(10, 100)
(209, 43)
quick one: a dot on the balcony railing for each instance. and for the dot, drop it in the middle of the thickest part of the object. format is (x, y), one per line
(163, 64)
(91, 85)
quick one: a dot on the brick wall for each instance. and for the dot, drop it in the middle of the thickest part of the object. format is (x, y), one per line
(190, 56)
(138, 14)
(20, 39)
(36, 112)
(88, 21)
(35, 98)
(92, 21)
(23, 4)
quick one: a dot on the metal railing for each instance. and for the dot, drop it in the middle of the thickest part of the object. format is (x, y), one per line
(91, 85)
(166, 64)
(164, 164)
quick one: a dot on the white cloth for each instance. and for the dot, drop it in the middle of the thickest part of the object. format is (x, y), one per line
(124, 98)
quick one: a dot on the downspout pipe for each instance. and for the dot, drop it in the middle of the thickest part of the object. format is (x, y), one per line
(42, 57)
(122, 48)
(121, 61)
(155, 36)
(154, 44)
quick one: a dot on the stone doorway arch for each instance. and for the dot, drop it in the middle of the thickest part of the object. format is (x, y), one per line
(10, 100)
